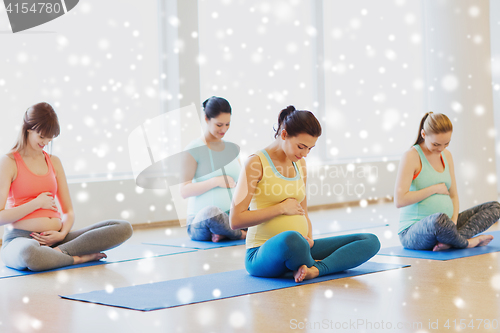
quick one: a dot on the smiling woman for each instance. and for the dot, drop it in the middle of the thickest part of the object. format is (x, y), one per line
(38, 236)
(426, 193)
(209, 188)
(280, 233)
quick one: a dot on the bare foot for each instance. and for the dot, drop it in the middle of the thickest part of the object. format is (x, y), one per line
(481, 240)
(243, 234)
(89, 257)
(441, 246)
(305, 273)
(217, 238)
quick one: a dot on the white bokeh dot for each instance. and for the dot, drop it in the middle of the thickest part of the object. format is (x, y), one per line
(237, 319)
(185, 295)
(449, 82)
(495, 282)
(479, 110)
(119, 197)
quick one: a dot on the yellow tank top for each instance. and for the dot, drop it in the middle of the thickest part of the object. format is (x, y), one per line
(271, 190)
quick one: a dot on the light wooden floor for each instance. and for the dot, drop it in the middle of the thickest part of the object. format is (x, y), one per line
(427, 292)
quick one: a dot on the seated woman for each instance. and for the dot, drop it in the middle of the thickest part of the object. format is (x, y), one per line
(36, 236)
(208, 186)
(279, 238)
(426, 192)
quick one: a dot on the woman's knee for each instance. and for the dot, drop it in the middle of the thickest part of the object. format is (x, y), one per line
(208, 212)
(495, 206)
(373, 243)
(293, 241)
(31, 257)
(440, 219)
(124, 228)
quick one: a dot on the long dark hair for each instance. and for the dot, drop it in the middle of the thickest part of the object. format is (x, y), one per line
(295, 122)
(41, 118)
(214, 106)
(433, 123)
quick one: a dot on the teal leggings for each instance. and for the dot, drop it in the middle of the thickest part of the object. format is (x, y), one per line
(289, 250)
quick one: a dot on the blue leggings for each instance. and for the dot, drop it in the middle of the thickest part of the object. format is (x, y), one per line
(210, 220)
(289, 250)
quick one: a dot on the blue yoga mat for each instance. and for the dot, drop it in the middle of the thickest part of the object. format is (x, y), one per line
(399, 251)
(121, 253)
(167, 294)
(319, 228)
(186, 242)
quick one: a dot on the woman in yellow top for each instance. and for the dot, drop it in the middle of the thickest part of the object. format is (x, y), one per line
(279, 237)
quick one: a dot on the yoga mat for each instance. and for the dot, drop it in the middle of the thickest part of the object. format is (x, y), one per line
(399, 251)
(167, 294)
(198, 245)
(319, 228)
(328, 226)
(121, 253)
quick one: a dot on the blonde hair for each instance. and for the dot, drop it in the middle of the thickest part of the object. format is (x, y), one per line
(41, 118)
(433, 123)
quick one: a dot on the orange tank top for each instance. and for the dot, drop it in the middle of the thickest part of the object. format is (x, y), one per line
(27, 186)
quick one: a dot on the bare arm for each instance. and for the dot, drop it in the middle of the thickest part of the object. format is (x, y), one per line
(410, 162)
(240, 217)
(8, 171)
(63, 196)
(309, 237)
(190, 189)
(453, 188)
(303, 167)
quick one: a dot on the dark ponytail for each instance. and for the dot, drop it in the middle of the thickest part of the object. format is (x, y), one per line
(295, 122)
(433, 123)
(214, 106)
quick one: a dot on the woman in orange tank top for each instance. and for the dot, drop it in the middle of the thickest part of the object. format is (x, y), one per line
(37, 235)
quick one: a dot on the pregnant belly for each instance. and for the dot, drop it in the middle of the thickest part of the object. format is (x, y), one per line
(39, 224)
(437, 203)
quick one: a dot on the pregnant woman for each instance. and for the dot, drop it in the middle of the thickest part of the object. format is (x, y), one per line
(279, 238)
(37, 235)
(208, 186)
(426, 193)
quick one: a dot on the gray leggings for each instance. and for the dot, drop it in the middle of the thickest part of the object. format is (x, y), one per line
(438, 227)
(210, 220)
(20, 251)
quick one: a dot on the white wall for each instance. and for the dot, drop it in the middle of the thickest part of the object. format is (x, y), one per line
(494, 16)
(457, 56)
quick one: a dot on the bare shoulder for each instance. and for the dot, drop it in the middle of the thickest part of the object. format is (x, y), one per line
(55, 159)
(7, 161)
(448, 156)
(253, 160)
(411, 156)
(8, 165)
(253, 165)
(56, 162)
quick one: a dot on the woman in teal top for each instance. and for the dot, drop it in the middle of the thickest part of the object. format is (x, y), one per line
(426, 192)
(210, 171)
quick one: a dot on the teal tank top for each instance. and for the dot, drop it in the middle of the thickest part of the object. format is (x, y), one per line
(207, 168)
(436, 203)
